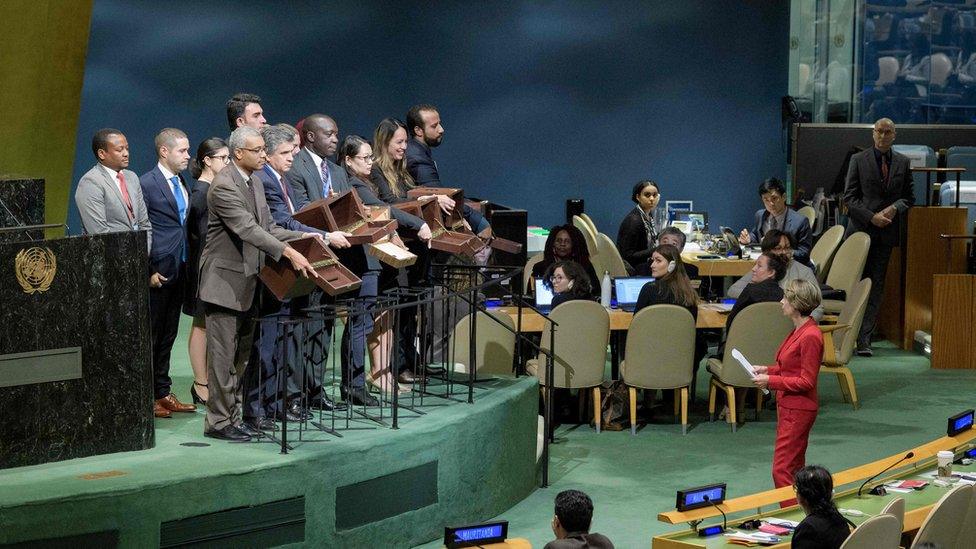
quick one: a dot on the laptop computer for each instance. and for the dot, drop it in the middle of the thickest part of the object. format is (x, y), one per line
(628, 289)
(690, 221)
(543, 297)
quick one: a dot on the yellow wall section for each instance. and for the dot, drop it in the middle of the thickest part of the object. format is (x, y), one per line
(42, 65)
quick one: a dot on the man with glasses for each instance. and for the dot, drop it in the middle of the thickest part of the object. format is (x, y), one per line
(777, 215)
(240, 233)
(878, 193)
(782, 245)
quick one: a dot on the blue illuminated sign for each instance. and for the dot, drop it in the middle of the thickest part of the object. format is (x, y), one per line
(960, 422)
(702, 496)
(478, 533)
(475, 534)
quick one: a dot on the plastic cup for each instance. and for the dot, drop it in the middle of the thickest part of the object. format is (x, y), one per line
(945, 458)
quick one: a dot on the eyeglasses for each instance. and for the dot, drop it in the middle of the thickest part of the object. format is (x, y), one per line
(222, 157)
(558, 277)
(255, 150)
(772, 197)
(367, 159)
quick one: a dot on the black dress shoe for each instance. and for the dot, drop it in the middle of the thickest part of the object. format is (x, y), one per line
(406, 377)
(228, 432)
(260, 423)
(864, 349)
(296, 410)
(358, 397)
(287, 416)
(436, 370)
(249, 429)
(326, 404)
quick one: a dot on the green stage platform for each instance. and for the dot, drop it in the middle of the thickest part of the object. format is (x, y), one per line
(374, 487)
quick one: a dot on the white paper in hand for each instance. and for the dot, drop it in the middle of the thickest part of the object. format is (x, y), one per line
(747, 366)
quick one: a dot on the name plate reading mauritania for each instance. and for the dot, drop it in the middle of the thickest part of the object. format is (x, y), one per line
(40, 366)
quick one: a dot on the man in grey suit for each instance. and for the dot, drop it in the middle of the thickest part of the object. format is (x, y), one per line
(878, 193)
(109, 197)
(240, 234)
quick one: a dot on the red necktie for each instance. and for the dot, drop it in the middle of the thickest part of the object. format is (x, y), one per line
(284, 191)
(884, 171)
(125, 195)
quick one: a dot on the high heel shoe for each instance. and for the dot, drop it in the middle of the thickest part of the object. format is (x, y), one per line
(195, 396)
(383, 384)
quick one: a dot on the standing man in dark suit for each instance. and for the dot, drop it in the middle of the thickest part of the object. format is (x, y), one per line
(777, 215)
(244, 109)
(878, 193)
(239, 236)
(167, 202)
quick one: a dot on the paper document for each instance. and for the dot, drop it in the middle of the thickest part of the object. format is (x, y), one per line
(748, 367)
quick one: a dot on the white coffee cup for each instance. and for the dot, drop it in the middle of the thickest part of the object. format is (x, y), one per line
(945, 458)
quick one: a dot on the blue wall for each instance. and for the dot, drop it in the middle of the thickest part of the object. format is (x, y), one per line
(541, 101)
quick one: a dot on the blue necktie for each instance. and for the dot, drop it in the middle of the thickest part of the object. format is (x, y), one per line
(180, 206)
(326, 179)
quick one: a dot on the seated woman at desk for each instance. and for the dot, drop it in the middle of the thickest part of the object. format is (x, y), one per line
(764, 286)
(671, 284)
(638, 231)
(794, 378)
(782, 244)
(824, 527)
(566, 243)
(568, 281)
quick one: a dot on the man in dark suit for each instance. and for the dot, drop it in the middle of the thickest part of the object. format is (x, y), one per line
(775, 214)
(167, 203)
(878, 193)
(571, 523)
(426, 132)
(239, 236)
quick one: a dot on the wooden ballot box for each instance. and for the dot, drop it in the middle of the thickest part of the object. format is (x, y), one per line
(455, 220)
(441, 238)
(285, 283)
(345, 212)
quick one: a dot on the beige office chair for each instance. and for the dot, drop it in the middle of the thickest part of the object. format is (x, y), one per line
(495, 344)
(809, 213)
(880, 532)
(846, 268)
(825, 248)
(887, 70)
(582, 334)
(660, 354)
(757, 332)
(610, 257)
(840, 340)
(527, 273)
(969, 523)
(589, 222)
(944, 524)
(896, 508)
(588, 235)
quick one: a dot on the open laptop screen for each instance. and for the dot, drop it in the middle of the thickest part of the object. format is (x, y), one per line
(543, 295)
(628, 288)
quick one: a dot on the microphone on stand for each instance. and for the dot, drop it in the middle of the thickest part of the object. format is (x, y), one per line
(879, 490)
(725, 522)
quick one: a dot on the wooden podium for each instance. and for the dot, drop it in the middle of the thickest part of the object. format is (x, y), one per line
(907, 303)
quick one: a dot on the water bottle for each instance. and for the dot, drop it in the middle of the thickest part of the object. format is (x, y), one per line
(605, 289)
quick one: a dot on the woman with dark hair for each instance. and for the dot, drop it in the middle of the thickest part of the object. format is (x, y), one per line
(568, 281)
(639, 230)
(212, 156)
(794, 378)
(824, 527)
(566, 243)
(671, 284)
(767, 273)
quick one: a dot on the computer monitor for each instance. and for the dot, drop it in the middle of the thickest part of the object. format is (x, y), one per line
(698, 221)
(543, 295)
(628, 288)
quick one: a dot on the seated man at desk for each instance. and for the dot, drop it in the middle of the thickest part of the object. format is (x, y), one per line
(781, 244)
(775, 214)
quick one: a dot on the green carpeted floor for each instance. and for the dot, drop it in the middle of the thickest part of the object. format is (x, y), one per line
(631, 479)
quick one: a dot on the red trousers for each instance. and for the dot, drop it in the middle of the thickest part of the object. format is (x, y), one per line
(792, 431)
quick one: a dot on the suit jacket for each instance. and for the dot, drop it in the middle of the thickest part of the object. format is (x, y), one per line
(280, 213)
(169, 233)
(196, 237)
(865, 195)
(240, 233)
(755, 292)
(100, 204)
(421, 165)
(820, 532)
(581, 540)
(796, 225)
(794, 376)
(305, 181)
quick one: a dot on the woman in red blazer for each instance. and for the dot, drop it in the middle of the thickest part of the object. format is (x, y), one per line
(794, 378)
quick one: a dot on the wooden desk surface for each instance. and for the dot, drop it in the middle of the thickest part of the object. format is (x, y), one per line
(718, 267)
(918, 502)
(619, 320)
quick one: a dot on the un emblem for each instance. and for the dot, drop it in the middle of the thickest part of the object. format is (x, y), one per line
(35, 268)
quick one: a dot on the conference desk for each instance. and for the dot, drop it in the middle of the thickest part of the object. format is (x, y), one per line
(918, 503)
(718, 267)
(708, 317)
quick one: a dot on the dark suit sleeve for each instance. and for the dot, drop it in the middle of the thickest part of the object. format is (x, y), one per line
(297, 187)
(421, 166)
(907, 199)
(755, 235)
(854, 193)
(632, 241)
(384, 192)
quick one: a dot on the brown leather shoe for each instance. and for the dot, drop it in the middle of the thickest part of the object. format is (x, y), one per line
(159, 411)
(170, 403)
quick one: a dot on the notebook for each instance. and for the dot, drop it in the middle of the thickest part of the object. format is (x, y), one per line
(628, 289)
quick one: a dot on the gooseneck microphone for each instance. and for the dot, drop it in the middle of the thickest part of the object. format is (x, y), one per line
(725, 523)
(875, 491)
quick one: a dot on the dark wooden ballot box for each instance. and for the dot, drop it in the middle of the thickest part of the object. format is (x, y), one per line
(286, 283)
(454, 221)
(442, 238)
(75, 348)
(345, 212)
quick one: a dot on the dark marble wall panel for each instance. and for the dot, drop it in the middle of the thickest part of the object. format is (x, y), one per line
(98, 300)
(21, 203)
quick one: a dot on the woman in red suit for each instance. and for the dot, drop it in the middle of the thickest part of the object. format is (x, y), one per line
(794, 378)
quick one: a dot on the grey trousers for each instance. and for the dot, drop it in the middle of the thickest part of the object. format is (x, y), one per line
(229, 337)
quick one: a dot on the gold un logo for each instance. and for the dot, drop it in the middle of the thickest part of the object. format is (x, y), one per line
(35, 268)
